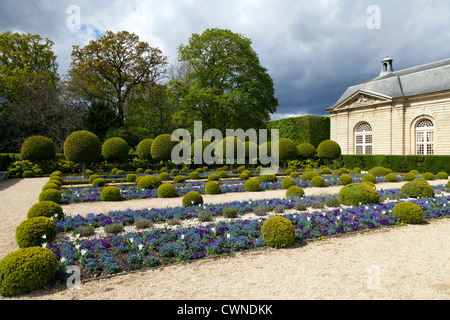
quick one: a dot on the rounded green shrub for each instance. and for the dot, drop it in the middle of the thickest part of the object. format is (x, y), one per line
(50, 185)
(166, 190)
(114, 171)
(212, 187)
(244, 176)
(144, 149)
(345, 179)
(56, 177)
(194, 175)
(179, 179)
(329, 150)
(47, 209)
(229, 212)
(294, 174)
(408, 212)
(50, 195)
(442, 175)
(38, 148)
(115, 150)
(287, 182)
(34, 232)
(213, 177)
(28, 174)
(418, 189)
(162, 146)
(318, 182)
(252, 185)
(409, 176)
(287, 150)
(140, 170)
(82, 146)
(428, 176)
(278, 232)
(308, 175)
(174, 170)
(294, 192)
(325, 171)
(120, 172)
(355, 194)
(110, 194)
(378, 171)
(131, 177)
(369, 177)
(164, 176)
(421, 180)
(414, 172)
(26, 270)
(306, 151)
(57, 182)
(390, 177)
(268, 176)
(370, 183)
(222, 174)
(93, 177)
(98, 183)
(192, 198)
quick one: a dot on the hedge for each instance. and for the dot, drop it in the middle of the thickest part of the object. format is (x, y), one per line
(399, 163)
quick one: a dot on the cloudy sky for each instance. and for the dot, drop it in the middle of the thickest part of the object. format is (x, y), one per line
(313, 49)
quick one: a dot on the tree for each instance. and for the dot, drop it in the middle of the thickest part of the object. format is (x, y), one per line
(144, 149)
(306, 151)
(329, 150)
(115, 149)
(162, 148)
(110, 68)
(37, 149)
(99, 117)
(82, 146)
(225, 86)
(287, 150)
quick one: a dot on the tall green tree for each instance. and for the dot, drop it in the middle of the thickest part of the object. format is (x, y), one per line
(110, 68)
(226, 86)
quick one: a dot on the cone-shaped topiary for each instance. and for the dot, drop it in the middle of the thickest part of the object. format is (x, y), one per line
(47, 209)
(38, 148)
(27, 270)
(34, 232)
(278, 232)
(110, 194)
(115, 150)
(355, 194)
(192, 198)
(408, 212)
(295, 192)
(82, 147)
(166, 190)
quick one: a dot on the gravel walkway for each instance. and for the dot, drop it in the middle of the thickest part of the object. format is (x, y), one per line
(409, 262)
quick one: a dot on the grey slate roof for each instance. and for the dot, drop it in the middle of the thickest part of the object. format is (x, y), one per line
(428, 78)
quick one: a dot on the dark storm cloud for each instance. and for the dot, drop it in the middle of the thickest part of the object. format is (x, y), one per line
(313, 50)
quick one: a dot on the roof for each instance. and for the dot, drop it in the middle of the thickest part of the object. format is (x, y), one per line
(427, 78)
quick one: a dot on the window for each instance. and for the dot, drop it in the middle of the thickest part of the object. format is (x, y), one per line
(363, 139)
(425, 137)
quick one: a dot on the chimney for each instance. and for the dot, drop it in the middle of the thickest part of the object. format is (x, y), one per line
(386, 66)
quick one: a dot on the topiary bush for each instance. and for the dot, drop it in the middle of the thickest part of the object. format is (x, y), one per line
(99, 182)
(308, 175)
(31, 232)
(212, 187)
(278, 232)
(428, 176)
(192, 198)
(442, 175)
(252, 185)
(161, 149)
(267, 177)
(50, 195)
(131, 177)
(244, 176)
(229, 212)
(418, 189)
(287, 150)
(408, 212)
(166, 190)
(355, 194)
(50, 185)
(409, 176)
(47, 209)
(287, 182)
(28, 174)
(144, 149)
(369, 177)
(115, 150)
(93, 177)
(318, 182)
(222, 174)
(26, 270)
(38, 148)
(329, 150)
(110, 194)
(149, 182)
(345, 179)
(378, 171)
(213, 177)
(295, 192)
(390, 177)
(306, 151)
(164, 176)
(194, 175)
(179, 179)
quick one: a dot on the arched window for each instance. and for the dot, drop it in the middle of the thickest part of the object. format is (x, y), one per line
(363, 139)
(425, 137)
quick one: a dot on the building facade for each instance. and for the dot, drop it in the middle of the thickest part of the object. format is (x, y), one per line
(398, 113)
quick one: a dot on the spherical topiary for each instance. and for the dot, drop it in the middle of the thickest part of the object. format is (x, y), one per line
(82, 146)
(222, 174)
(421, 180)
(50, 185)
(345, 179)
(115, 150)
(428, 176)
(418, 189)
(267, 176)
(110, 194)
(325, 171)
(192, 198)
(318, 182)
(252, 185)
(370, 183)
(244, 176)
(355, 194)
(213, 177)
(47, 209)
(166, 190)
(414, 172)
(306, 151)
(278, 232)
(408, 212)
(201, 145)
(287, 150)
(442, 175)
(369, 177)
(179, 179)
(294, 174)
(164, 176)
(287, 182)
(149, 182)
(131, 177)
(378, 171)
(295, 192)
(93, 177)
(222, 147)
(144, 149)
(308, 175)
(194, 175)
(162, 146)
(98, 183)
(26, 270)
(390, 177)
(34, 232)
(50, 195)
(56, 177)
(38, 148)
(329, 150)
(57, 182)
(409, 176)
(212, 187)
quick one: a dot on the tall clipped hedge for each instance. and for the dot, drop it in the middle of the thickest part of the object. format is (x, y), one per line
(306, 129)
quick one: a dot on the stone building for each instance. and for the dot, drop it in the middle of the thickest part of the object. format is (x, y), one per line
(403, 112)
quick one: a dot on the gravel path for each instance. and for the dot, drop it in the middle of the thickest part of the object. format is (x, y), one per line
(409, 262)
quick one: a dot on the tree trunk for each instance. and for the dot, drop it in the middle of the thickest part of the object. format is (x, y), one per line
(83, 170)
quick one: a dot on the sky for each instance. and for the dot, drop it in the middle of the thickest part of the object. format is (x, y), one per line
(313, 49)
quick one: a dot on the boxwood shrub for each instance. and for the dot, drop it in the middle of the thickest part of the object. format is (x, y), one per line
(47, 209)
(110, 194)
(192, 198)
(408, 212)
(166, 190)
(278, 232)
(212, 187)
(31, 232)
(355, 194)
(50, 195)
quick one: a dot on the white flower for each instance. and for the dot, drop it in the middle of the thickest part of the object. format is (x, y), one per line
(141, 246)
(228, 236)
(44, 236)
(83, 252)
(182, 237)
(383, 212)
(192, 202)
(213, 230)
(308, 218)
(77, 246)
(44, 245)
(131, 240)
(338, 217)
(63, 260)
